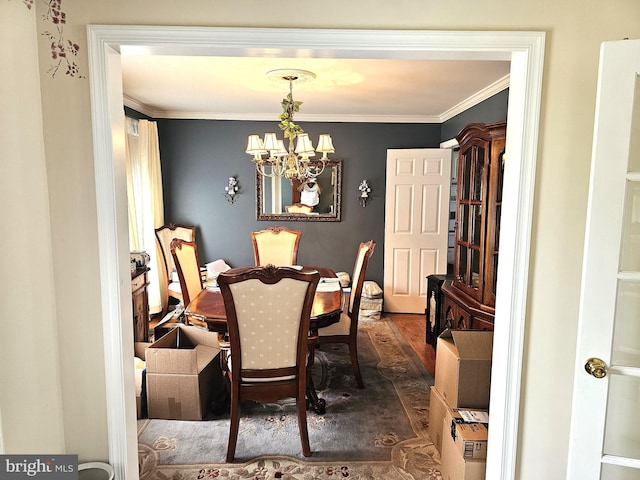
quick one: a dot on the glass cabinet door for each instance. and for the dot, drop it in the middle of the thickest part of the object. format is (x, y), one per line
(494, 211)
(471, 219)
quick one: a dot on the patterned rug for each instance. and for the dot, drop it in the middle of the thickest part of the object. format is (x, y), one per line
(376, 433)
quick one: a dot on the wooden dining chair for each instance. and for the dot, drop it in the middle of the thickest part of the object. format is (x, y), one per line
(299, 208)
(169, 288)
(268, 313)
(346, 329)
(276, 246)
(185, 257)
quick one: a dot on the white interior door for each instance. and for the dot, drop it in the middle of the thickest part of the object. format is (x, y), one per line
(416, 224)
(605, 431)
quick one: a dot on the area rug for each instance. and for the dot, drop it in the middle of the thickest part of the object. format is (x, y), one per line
(379, 432)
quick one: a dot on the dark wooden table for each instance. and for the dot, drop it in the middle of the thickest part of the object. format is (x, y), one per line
(207, 310)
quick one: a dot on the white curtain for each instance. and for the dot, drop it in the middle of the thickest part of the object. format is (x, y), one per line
(146, 204)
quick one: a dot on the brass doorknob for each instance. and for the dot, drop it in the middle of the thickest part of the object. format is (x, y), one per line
(596, 367)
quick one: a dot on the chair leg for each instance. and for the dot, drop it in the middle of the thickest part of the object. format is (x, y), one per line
(233, 426)
(302, 425)
(353, 351)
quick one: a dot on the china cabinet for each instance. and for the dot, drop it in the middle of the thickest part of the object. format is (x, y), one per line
(470, 296)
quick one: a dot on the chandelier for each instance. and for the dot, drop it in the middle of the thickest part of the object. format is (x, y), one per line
(289, 163)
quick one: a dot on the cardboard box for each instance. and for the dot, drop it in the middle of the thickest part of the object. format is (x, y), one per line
(437, 410)
(440, 412)
(464, 448)
(139, 377)
(183, 369)
(470, 439)
(454, 466)
(139, 349)
(463, 367)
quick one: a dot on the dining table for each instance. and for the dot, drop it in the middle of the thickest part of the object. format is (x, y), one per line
(207, 310)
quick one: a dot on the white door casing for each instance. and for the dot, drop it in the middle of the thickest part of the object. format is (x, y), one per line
(416, 232)
(605, 433)
(525, 50)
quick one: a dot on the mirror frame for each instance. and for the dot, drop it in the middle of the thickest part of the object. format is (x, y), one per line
(301, 217)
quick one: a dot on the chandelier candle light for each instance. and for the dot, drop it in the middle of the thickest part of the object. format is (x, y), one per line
(289, 163)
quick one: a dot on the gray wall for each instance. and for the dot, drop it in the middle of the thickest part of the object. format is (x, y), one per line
(493, 109)
(198, 157)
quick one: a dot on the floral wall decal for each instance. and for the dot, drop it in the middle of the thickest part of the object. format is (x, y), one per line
(63, 51)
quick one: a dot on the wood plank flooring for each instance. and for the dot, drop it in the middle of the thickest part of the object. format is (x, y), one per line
(412, 327)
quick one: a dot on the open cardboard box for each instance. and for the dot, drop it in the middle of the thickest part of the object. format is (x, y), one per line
(183, 370)
(463, 367)
(139, 350)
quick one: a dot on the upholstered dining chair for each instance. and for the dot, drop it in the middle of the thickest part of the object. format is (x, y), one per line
(346, 330)
(276, 246)
(299, 208)
(169, 287)
(268, 313)
(185, 257)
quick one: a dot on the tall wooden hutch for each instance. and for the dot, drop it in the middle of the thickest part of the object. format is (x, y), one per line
(469, 298)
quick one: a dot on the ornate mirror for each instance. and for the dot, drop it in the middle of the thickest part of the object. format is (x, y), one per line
(275, 194)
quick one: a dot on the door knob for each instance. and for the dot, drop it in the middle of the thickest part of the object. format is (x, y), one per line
(596, 367)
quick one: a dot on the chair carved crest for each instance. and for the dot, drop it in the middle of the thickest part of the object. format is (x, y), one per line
(275, 245)
(299, 208)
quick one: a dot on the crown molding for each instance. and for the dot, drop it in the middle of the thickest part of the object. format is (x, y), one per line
(139, 107)
(487, 92)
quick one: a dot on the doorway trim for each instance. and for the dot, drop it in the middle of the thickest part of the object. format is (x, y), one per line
(525, 51)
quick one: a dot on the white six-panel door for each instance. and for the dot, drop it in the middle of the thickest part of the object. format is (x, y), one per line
(605, 427)
(416, 224)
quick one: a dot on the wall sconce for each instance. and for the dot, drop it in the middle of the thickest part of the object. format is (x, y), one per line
(364, 190)
(231, 191)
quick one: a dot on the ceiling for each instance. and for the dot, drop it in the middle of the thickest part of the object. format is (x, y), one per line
(349, 90)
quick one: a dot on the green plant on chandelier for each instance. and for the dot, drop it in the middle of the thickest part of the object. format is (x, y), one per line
(289, 107)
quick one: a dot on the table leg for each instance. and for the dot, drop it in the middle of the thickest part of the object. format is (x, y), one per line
(314, 403)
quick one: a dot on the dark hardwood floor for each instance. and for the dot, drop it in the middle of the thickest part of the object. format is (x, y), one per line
(412, 327)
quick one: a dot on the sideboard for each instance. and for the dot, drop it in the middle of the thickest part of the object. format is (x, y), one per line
(140, 300)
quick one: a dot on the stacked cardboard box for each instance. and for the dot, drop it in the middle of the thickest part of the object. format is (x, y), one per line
(458, 420)
(183, 370)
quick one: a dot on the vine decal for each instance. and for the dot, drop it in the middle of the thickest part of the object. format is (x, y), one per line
(63, 51)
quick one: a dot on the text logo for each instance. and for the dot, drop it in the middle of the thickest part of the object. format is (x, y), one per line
(38, 467)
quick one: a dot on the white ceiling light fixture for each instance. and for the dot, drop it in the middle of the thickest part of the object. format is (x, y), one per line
(289, 163)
